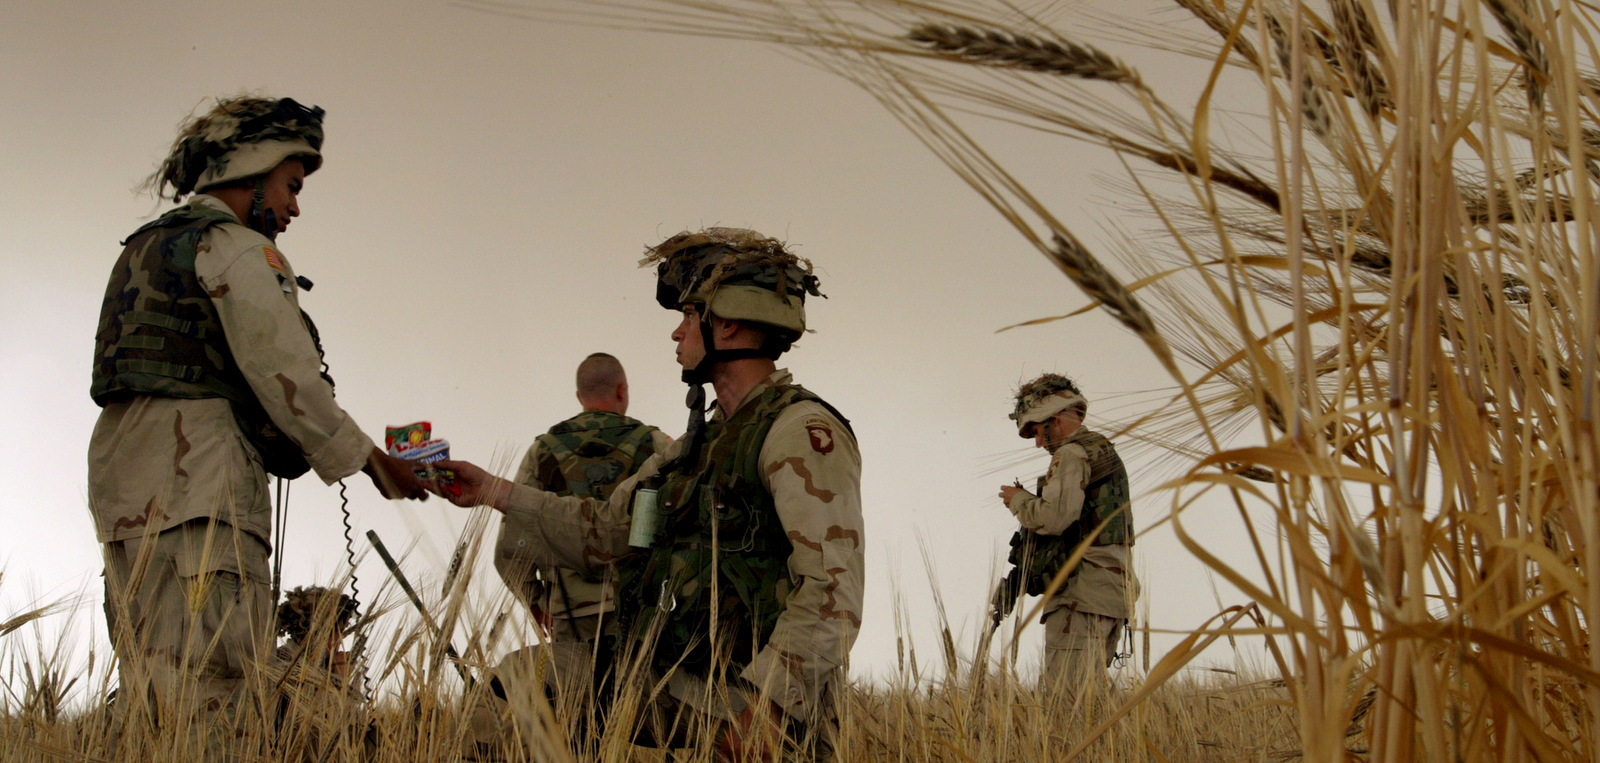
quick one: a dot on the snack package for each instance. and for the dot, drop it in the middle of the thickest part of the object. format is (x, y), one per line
(411, 442)
(425, 452)
(408, 436)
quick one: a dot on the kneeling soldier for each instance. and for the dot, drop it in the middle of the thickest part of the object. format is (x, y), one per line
(587, 455)
(745, 592)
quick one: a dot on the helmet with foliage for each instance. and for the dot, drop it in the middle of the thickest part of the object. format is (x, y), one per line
(1041, 399)
(239, 138)
(734, 274)
(305, 606)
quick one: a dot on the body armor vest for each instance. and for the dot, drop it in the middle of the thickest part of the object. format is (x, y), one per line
(721, 552)
(1040, 557)
(589, 454)
(160, 335)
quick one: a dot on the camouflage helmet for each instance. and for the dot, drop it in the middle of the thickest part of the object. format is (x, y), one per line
(1041, 399)
(735, 274)
(240, 138)
(301, 606)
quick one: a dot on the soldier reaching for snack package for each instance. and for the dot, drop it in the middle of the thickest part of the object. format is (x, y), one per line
(585, 456)
(210, 378)
(738, 550)
(1083, 497)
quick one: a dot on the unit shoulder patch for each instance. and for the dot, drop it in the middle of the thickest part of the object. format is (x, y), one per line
(821, 434)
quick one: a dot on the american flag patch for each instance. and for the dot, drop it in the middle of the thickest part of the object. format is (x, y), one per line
(275, 259)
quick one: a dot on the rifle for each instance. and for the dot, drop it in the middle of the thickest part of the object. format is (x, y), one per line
(1013, 585)
(1006, 593)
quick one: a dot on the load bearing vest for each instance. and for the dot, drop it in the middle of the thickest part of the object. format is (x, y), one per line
(715, 508)
(1106, 498)
(159, 333)
(593, 452)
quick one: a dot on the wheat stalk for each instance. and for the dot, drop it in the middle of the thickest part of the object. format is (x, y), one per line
(1015, 50)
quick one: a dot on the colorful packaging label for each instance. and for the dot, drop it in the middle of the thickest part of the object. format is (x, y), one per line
(408, 436)
(412, 442)
(424, 453)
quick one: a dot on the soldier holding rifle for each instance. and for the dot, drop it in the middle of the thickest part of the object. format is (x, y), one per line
(1083, 500)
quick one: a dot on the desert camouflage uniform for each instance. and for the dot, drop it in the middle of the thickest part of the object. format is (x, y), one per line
(810, 465)
(179, 497)
(1084, 619)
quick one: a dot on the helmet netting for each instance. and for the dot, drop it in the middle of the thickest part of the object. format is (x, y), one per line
(1035, 392)
(205, 142)
(698, 263)
(299, 607)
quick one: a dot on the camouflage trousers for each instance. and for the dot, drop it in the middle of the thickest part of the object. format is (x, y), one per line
(190, 616)
(1078, 647)
(679, 710)
(581, 630)
(558, 674)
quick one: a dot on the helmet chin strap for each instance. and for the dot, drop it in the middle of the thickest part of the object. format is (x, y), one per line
(696, 377)
(261, 219)
(700, 375)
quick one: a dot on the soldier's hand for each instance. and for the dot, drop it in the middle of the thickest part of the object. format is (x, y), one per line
(393, 477)
(1006, 491)
(755, 736)
(543, 618)
(471, 486)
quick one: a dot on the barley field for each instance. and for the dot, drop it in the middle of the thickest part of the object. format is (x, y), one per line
(1373, 284)
(946, 706)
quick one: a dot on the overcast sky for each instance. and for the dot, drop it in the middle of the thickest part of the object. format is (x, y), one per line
(489, 187)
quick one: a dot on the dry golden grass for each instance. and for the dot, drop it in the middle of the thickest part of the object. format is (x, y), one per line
(423, 712)
(1384, 332)
(1384, 335)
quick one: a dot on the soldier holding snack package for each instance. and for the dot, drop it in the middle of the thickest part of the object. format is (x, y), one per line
(738, 550)
(210, 378)
(1084, 497)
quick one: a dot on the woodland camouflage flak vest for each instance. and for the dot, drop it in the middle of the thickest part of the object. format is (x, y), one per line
(159, 334)
(1039, 557)
(715, 504)
(589, 454)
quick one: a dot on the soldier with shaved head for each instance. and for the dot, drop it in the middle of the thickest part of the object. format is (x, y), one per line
(738, 550)
(585, 456)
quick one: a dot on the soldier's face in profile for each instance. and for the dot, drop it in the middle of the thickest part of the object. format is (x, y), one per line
(281, 192)
(1056, 429)
(691, 344)
(1041, 436)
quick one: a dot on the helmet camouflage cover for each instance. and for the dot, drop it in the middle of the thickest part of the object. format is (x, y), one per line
(240, 138)
(1044, 397)
(304, 605)
(736, 274)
